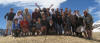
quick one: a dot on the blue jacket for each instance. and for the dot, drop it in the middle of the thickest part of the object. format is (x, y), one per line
(15, 26)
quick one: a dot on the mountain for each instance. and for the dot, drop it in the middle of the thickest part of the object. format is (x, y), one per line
(2, 31)
(96, 26)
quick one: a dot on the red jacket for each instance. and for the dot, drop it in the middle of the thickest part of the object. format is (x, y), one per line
(24, 24)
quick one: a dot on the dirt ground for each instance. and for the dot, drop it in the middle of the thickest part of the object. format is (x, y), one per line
(49, 39)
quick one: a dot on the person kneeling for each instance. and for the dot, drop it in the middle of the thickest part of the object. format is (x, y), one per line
(25, 27)
(16, 28)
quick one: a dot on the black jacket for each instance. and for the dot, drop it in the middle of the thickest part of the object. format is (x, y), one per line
(10, 16)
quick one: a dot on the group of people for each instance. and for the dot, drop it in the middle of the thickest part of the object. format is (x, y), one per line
(48, 21)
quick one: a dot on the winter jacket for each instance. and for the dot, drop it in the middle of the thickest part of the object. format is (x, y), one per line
(10, 16)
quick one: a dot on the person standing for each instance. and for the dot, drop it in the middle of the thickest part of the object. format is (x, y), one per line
(67, 27)
(28, 17)
(26, 14)
(66, 12)
(54, 18)
(44, 24)
(73, 22)
(9, 16)
(78, 22)
(89, 22)
(59, 24)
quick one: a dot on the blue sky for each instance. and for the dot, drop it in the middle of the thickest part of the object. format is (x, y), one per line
(92, 5)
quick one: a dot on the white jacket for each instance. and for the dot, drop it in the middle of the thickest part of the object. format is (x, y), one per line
(20, 17)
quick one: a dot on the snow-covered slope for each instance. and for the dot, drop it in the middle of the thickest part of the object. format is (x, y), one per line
(96, 26)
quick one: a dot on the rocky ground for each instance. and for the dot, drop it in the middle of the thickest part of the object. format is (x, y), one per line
(49, 39)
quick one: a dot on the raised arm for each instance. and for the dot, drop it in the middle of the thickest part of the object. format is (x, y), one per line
(51, 6)
(37, 6)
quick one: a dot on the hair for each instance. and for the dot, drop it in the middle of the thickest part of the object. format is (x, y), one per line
(19, 11)
(11, 9)
(61, 9)
(15, 20)
(84, 11)
(44, 9)
(52, 9)
(26, 8)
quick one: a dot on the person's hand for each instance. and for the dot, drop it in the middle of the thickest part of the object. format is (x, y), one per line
(51, 5)
(36, 4)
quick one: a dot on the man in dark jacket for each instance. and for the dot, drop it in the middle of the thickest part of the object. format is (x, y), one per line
(59, 24)
(44, 25)
(79, 22)
(9, 16)
(36, 14)
(54, 18)
(67, 27)
(73, 22)
(89, 22)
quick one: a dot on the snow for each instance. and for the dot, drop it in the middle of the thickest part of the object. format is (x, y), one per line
(97, 29)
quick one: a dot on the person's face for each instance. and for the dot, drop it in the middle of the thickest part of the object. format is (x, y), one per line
(75, 12)
(61, 9)
(11, 11)
(24, 19)
(48, 14)
(34, 20)
(36, 10)
(48, 9)
(85, 13)
(58, 16)
(52, 10)
(29, 17)
(19, 13)
(16, 21)
(26, 10)
(39, 20)
(62, 13)
(57, 9)
(44, 17)
(65, 9)
(69, 11)
(51, 21)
